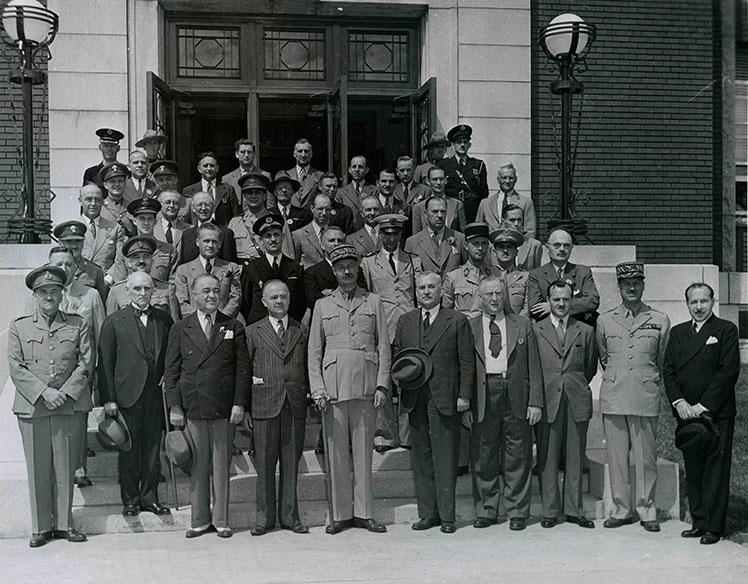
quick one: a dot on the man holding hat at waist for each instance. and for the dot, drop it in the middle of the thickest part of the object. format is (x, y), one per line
(466, 176)
(70, 234)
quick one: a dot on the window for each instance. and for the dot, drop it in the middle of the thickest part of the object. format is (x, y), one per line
(379, 56)
(208, 52)
(294, 54)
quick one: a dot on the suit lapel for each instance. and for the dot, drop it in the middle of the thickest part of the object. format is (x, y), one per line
(217, 335)
(428, 246)
(438, 328)
(691, 346)
(511, 334)
(293, 334)
(195, 332)
(313, 239)
(572, 332)
(128, 317)
(268, 333)
(548, 332)
(478, 339)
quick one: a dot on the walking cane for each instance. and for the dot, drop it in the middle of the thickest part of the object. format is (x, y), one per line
(171, 464)
(328, 470)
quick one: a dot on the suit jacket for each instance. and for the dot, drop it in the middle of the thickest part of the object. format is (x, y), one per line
(363, 242)
(446, 258)
(282, 367)
(310, 187)
(489, 211)
(232, 179)
(524, 374)
(188, 250)
(586, 298)
(529, 254)
(455, 215)
(343, 217)
(297, 216)
(350, 198)
(150, 190)
(417, 192)
(307, 247)
(123, 368)
(207, 377)
(259, 271)
(229, 276)
(103, 248)
(226, 204)
(699, 370)
(568, 368)
(471, 182)
(177, 230)
(452, 357)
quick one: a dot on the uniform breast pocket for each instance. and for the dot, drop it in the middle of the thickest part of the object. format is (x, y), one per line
(68, 343)
(32, 348)
(331, 324)
(614, 342)
(646, 343)
(367, 322)
(463, 296)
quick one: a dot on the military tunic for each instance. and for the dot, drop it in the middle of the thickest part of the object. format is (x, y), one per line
(88, 273)
(117, 211)
(516, 280)
(164, 298)
(164, 263)
(460, 288)
(247, 243)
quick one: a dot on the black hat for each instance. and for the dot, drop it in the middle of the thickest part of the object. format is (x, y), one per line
(180, 448)
(139, 243)
(253, 180)
(461, 131)
(281, 176)
(109, 135)
(69, 230)
(163, 167)
(411, 368)
(697, 436)
(476, 230)
(114, 434)
(113, 169)
(144, 205)
(266, 222)
(45, 276)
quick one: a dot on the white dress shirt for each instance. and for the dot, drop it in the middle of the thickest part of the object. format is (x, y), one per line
(271, 258)
(143, 317)
(275, 322)
(433, 312)
(496, 365)
(555, 320)
(201, 316)
(205, 185)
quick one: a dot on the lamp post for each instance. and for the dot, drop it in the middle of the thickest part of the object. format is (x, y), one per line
(30, 28)
(566, 41)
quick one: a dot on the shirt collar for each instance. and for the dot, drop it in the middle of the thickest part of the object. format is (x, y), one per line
(440, 234)
(201, 316)
(274, 321)
(165, 223)
(208, 183)
(433, 313)
(270, 258)
(487, 317)
(698, 324)
(555, 320)
(203, 261)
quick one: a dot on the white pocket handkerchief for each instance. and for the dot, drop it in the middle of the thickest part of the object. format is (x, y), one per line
(712, 341)
(228, 335)
(257, 380)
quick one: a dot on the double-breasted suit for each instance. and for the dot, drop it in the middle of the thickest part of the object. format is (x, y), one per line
(225, 202)
(703, 368)
(229, 277)
(102, 248)
(585, 300)
(448, 256)
(259, 271)
(307, 189)
(278, 401)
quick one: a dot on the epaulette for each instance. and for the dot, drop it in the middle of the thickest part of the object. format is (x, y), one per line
(609, 310)
(22, 317)
(120, 283)
(372, 254)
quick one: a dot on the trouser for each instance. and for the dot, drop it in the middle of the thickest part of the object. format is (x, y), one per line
(435, 439)
(392, 428)
(708, 481)
(637, 435)
(49, 446)
(500, 425)
(140, 467)
(213, 441)
(280, 437)
(350, 427)
(551, 438)
(81, 467)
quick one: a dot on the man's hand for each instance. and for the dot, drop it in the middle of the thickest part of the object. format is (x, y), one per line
(53, 398)
(533, 415)
(462, 404)
(467, 419)
(237, 414)
(685, 411)
(380, 397)
(540, 310)
(321, 399)
(247, 422)
(698, 409)
(176, 416)
(110, 409)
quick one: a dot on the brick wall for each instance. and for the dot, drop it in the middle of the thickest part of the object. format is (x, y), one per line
(646, 149)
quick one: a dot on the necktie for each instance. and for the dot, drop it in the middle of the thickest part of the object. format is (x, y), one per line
(138, 312)
(358, 189)
(321, 234)
(208, 267)
(208, 325)
(435, 239)
(284, 212)
(560, 272)
(140, 187)
(405, 192)
(92, 227)
(694, 330)
(427, 322)
(275, 268)
(561, 333)
(210, 189)
(302, 176)
(169, 234)
(388, 205)
(281, 331)
(392, 262)
(494, 344)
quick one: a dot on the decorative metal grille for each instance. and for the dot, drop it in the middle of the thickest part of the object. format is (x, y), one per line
(208, 52)
(294, 54)
(378, 56)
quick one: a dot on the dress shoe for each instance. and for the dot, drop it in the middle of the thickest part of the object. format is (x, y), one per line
(517, 523)
(156, 509)
(319, 450)
(694, 532)
(130, 510)
(612, 522)
(237, 451)
(338, 526)
(448, 527)
(652, 526)
(462, 470)
(224, 532)
(39, 539)
(405, 446)
(709, 538)
(296, 528)
(482, 522)
(580, 521)
(548, 522)
(382, 448)
(197, 531)
(424, 524)
(82, 482)
(71, 535)
(258, 530)
(369, 524)
(90, 453)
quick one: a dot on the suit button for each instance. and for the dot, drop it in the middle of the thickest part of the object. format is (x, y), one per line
(630, 368)
(631, 356)
(631, 346)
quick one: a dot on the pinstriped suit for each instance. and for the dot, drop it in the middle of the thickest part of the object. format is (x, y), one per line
(278, 409)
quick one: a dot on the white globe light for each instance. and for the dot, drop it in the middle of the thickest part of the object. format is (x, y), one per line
(28, 20)
(563, 37)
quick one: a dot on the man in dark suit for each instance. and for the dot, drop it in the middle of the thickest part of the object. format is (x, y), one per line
(244, 150)
(283, 187)
(586, 298)
(508, 402)
(408, 190)
(138, 184)
(202, 211)
(225, 204)
(278, 369)
(351, 194)
(132, 348)
(109, 147)
(307, 177)
(466, 176)
(434, 408)
(341, 215)
(568, 355)
(207, 388)
(319, 279)
(702, 363)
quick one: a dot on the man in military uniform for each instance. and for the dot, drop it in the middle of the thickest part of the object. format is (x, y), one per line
(113, 177)
(506, 242)
(391, 273)
(70, 234)
(49, 359)
(103, 238)
(632, 338)
(164, 172)
(109, 147)
(530, 253)
(151, 142)
(435, 148)
(466, 176)
(348, 335)
(164, 258)
(254, 189)
(138, 252)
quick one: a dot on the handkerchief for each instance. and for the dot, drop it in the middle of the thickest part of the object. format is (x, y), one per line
(257, 380)
(228, 335)
(712, 341)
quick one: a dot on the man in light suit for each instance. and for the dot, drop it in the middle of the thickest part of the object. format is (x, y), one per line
(702, 364)
(138, 184)
(349, 377)
(493, 208)
(244, 150)
(228, 274)
(307, 241)
(352, 194)
(103, 238)
(207, 389)
(278, 369)
(586, 298)
(307, 177)
(631, 340)
(440, 249)
(164, 172)
(367, 239)
(169, 227)
(408, 190)
(530, 252)
(132, 348)
(568, 355)
(434, 406)
(225, 204)
(455, 218)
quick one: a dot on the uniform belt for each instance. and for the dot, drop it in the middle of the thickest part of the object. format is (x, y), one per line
(468, 195)
(495, 375)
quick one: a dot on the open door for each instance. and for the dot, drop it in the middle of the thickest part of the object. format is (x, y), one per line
(422, 118)
(337, 130)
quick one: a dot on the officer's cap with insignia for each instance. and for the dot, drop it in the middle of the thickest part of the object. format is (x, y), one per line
(69, 230)
(461, 131)
(109, 135)
(281, 176)
(476, 230)
(253, 180)
(266, 222)
(344, 251)
(163, 167)
(144, 205)
(45, 276)
(630, 270)
(138, 244)
(391, 221)
(113, 169)
(506, 235)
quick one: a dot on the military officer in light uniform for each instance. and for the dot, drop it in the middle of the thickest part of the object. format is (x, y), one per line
(70, 234)
(506, 242)
(631, 339)
(49, 359)
(138, 252)
(114, 176)
(391, 273)
(254, 190)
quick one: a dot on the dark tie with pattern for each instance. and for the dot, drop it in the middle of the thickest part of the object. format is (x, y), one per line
(208, 326)
(92, 228)
(560, 273)
(561, 333)
(427, 321)
(169, 235)
(208, 267)
(494, 344)
(281, 331)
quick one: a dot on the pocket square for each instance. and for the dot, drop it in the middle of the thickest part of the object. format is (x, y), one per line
(712, 341)
(257, 380)
(228, 335)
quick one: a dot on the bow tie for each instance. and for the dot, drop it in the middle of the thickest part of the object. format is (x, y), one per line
(139, 313)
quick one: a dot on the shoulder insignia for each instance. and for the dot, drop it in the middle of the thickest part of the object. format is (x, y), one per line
(651, 326)
(22, 317)
(371, 254)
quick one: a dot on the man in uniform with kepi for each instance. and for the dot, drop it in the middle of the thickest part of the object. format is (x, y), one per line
(49, 359)
(70, 234)
(466, 176)
(631, 339)
(506, 242)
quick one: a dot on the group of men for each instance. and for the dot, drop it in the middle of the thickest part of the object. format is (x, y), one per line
(428, 330)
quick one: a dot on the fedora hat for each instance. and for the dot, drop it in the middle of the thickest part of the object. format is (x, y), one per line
(437, 138)
(180, 448)
(411, 368)
(697, 436)
(114, 434)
